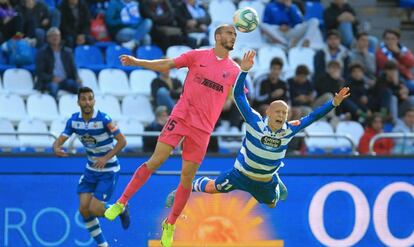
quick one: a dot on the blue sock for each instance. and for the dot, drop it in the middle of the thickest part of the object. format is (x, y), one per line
(199, 185)
(94, 229)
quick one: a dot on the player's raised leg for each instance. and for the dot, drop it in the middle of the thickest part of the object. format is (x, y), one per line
(140, 177)
(182, 194)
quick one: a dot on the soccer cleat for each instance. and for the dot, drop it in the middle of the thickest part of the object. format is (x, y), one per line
(170, 199)
(167, 234)
(114, 210)
(125, 217)
(282, 188)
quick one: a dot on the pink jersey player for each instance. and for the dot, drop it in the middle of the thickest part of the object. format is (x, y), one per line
(211, 75)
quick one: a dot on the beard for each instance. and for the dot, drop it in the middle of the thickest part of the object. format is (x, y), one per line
(87, 110)
(227, 45)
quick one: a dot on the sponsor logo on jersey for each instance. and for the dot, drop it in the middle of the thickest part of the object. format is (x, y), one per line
(270, 141)
(88, 140)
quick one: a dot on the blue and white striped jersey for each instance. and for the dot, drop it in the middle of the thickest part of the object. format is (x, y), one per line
(97, 136)
(262, 150)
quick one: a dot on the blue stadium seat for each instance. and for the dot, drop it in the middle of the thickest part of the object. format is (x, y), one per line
(407, 3)
(149, 52)
(112, 57)
(3, 63)
(104, 44)
(314, 10)
(316, 151)
(89, 56)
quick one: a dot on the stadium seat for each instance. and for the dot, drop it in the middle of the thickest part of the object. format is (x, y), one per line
(89, 56)
(267, 53)
(15, 113)
(113, 53)
(149, 52)
(301, 55)
(114, 82)
(253, 39)
(57, 127)
(88, 78)
(44, 140)
(109, 105)
(7, 141)
(140, 81)
(238, 52)
(42, 107)
(176, 50)
(3, 62)
(18, 81)
(68, 104)
(314, 10)
(137, 107)
(221, 11)
(257, 5)
(351, 128)
(316, 143)
(131, 128)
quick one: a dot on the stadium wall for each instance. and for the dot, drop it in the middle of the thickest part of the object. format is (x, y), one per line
(331, 202)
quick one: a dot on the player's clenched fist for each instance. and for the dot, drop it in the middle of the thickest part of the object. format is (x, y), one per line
(127, 60)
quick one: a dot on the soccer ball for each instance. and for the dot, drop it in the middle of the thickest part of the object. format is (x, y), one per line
(246, 19)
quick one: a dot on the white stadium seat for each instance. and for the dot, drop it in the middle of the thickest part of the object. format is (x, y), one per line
(141, 81)
(267, 53)
(15, 113)
(301, 55)
(8, 141)
(114, 82)
(88, 79)
(176, 50)
(42, 107)
(57, 127)
(109, 105)
(68, 104)
(320, 127)
(138, 108)
(221, 11)
(352, 129)
(36, 141)
(18, 81)
(132, 127)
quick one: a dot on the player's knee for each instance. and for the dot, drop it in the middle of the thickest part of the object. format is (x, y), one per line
(84, 211)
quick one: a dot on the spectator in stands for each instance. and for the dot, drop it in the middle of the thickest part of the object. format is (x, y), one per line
(358, 102)
(360, 54)
(166, 90)
(405, 125)
(341, 16)
(302, 92)
(332, 51)
(272, 88)
(125, 23)
(194, 20)
(374, 125)
(55, 66)
(283, 23)
(391, 92)
(11, 23)
(165, 31)
(392, 49)
(37, 18)
(76, 22)
(161, 117)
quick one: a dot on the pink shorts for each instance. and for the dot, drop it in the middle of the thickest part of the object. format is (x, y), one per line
(195, 140)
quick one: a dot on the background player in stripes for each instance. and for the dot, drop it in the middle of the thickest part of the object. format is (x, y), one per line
(96, 131)
(263, 149)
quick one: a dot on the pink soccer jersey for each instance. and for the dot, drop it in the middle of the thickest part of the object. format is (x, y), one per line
(206, 87)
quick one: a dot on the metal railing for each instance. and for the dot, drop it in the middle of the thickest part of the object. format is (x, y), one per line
(377, 137)
(71, 141)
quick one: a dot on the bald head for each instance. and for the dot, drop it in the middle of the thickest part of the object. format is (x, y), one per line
(277, 114)
(222, 28)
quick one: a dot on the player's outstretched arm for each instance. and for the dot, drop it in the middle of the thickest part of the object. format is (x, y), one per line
(321, 111)
(160, 65)
(57, 146)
